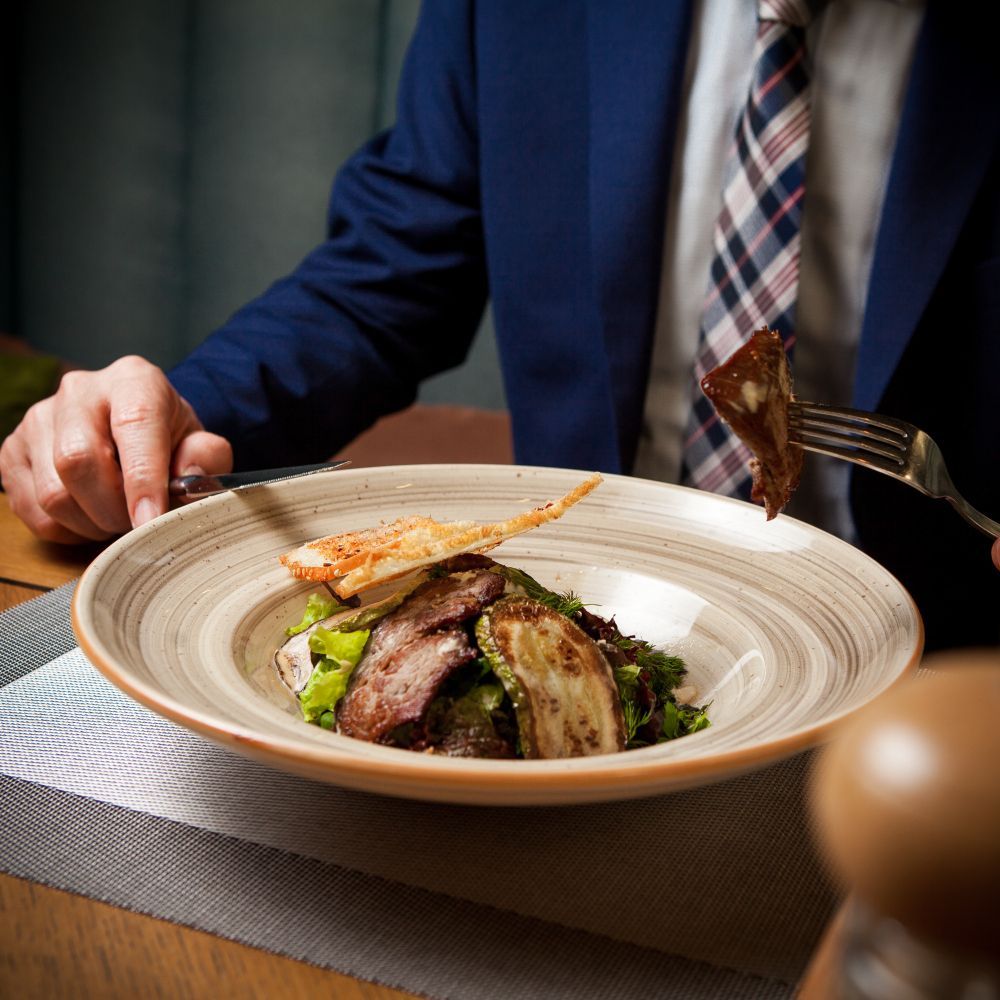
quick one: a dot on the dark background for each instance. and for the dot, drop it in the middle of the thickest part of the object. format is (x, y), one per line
(163, 162)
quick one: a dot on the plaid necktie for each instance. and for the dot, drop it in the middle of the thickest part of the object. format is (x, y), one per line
(755, 269)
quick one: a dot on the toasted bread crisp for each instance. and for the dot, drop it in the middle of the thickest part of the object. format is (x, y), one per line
(358, 560)
(315, 560)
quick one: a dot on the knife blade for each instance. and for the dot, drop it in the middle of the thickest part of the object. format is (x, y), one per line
(186, 488)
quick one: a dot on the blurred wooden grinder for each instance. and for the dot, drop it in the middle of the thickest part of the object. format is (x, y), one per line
(906, 805)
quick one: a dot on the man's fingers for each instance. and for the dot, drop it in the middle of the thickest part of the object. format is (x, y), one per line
(59, 505)
(60, 513)
(145, 419)
(202, 451)
(18, 482)
(84, 461)
(996, 553)
(93, 459)
(127, 443)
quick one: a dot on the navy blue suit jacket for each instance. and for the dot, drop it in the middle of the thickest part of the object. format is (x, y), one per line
(530, 163)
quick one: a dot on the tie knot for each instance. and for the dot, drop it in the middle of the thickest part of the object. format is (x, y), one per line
(795, 12)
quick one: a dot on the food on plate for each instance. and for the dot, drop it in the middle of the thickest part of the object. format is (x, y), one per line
(477, 659)
(468, 657)
(558, 679)
(359, 560)
(751, 391)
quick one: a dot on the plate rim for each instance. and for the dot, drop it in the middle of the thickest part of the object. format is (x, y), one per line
(494, 782)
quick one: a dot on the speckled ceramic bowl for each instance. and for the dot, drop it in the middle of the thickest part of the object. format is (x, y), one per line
(785, 629)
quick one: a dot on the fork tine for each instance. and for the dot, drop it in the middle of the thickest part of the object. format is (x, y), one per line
(852, 448)
(851, 434)
(854, 430)
(848, 417)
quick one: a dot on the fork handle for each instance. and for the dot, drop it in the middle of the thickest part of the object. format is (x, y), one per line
(985, 524)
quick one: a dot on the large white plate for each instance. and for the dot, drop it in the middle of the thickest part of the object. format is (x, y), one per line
(785, 629)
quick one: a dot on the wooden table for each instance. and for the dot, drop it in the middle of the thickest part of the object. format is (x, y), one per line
(54, 942)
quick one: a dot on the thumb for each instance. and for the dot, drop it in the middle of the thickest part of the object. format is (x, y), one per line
(996, 553)
(201, 452)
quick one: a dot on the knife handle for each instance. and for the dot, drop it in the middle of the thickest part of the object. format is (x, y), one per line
(194, 487)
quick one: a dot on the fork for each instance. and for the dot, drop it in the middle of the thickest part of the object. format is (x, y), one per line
(884, 444)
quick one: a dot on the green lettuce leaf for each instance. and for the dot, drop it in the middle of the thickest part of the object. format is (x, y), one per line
(318, 607)
(339, 646)
(340, 653)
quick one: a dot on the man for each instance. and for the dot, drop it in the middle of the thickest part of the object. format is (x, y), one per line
(537, 150)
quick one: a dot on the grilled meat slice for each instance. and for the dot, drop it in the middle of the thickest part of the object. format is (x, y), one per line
(751, 391)
(403, 687)
(411, 651)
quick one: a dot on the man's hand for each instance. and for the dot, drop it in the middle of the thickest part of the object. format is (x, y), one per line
(94, 459)
(996, 553)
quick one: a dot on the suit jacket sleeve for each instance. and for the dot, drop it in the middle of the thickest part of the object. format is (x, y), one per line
(394, 293)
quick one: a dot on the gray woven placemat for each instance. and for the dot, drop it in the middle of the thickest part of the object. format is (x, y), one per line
(707, 893)
(35, 632)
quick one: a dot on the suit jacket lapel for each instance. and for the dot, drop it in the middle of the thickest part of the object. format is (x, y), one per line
(947, 132)
(637, 73)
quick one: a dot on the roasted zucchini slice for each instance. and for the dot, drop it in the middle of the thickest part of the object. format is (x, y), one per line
(559, 681)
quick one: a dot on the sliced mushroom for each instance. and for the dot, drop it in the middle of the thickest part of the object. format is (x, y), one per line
(293, 662)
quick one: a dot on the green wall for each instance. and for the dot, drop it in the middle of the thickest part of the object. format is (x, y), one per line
(169, 160)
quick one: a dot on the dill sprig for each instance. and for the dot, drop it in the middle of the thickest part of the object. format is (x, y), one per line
(627, 681)
(568, 604)
(665, 672)
(645, 685)
(635, 719)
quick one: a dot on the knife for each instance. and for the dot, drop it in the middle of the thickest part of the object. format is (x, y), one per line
(186, 488)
